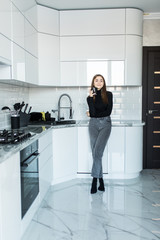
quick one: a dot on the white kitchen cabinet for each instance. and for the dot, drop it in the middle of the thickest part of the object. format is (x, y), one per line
(48, 20)
(133, 63)
(133, 149)
(5, 22)
(17, 27)
(85, 159)
(92, 22)
(64, 154)
(18, 62)
(31, 14)
(80, 73)
(134, 21)
(48, 60)
(83, 48)
(30, 41)
(31, 68)
(116, 150)
(10, 198)
(45, 163)
(5, 50)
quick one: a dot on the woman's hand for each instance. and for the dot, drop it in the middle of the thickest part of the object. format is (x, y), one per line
(91, 94)
(88, 114)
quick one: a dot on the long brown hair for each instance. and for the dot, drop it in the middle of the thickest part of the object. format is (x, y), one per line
(103, 90)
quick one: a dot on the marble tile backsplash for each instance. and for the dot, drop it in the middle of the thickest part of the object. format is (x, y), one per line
(9, 95)
(127, 101)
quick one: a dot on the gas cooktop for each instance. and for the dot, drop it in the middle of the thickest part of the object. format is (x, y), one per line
(13, 136)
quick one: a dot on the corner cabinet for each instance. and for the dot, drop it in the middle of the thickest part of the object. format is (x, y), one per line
(10, 199)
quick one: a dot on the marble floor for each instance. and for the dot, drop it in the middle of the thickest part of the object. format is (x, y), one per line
(127, 210)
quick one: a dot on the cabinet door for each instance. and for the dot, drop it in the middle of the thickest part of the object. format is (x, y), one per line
(31, 68)
(133, 66)
(81, 73)
(48, 20)
(134, 147)
(10, 198)
(45, 170)
(92, 22)
(85, 159)
(84, 151)
(17, 27)
(48, 60)
(92, 48)
(134, 21)
(116, 150)
(18, 63)
(5, 22)
(64, 154)
(30, 39)
(45, 163)
(5, 50)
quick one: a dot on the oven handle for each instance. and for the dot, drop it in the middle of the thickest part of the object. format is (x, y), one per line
(26, 163)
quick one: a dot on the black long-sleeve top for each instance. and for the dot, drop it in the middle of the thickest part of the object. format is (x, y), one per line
(99, 109)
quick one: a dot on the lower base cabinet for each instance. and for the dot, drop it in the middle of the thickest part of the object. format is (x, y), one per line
(45, 163)
(64, 154)
(122, 157)
(85, 154)
(10, 199)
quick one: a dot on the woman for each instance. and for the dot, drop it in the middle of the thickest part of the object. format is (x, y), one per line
(100, 107)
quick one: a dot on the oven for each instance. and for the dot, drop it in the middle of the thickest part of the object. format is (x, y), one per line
(29, 176)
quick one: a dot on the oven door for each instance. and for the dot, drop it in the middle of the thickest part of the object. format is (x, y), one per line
(29, 181)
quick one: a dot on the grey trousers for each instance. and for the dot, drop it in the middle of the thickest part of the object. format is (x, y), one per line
(99, 132)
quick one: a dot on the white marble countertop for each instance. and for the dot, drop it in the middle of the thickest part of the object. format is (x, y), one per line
(7, 150)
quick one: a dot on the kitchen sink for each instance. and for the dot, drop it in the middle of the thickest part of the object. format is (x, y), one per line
(64, 122)
(51, 123)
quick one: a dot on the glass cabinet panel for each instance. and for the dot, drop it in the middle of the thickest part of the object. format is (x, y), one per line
(81, 73)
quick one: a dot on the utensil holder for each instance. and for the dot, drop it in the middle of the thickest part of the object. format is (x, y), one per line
(15, 121)
(24, 119)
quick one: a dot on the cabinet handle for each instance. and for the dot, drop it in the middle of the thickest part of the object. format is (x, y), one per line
(151, 111)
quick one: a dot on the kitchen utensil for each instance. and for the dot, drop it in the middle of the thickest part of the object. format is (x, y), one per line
(22, 105)
(26, 107)
(17, 106)
(6, 108)
(29, 110)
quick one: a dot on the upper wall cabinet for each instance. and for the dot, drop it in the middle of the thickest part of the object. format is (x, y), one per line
(48, 59)
(133, 63)
(48, 20)
(5, 50)
(30, 41)
(134, 21)
(18, 63)
(17, 27)
(81, 73)
(92, 48)
(5, 15)
(92, 22)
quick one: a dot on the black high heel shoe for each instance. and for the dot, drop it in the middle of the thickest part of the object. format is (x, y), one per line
(94, 186)
(101, 186)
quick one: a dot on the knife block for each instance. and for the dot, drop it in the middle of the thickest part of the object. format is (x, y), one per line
(24, 119)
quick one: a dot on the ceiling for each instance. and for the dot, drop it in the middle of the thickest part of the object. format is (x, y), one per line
(148, 6)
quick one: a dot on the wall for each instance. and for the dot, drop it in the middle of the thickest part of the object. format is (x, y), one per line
(9, 95)
(127, 101)
(151, 32)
